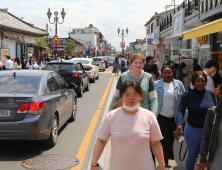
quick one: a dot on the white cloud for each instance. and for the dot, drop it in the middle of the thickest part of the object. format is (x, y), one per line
(106, 15)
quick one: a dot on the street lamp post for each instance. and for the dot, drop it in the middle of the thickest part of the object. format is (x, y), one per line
(122, 35)
(56, 20)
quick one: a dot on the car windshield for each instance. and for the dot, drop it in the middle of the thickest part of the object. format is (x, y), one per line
(110, 57)
(19, 84)
(84, 61)
(97, 59)
(104, 58)
(60, 67)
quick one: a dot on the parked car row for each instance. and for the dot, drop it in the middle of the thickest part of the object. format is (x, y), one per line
(35, 104)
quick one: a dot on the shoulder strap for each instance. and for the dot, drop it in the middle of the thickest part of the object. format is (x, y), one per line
(142, 77)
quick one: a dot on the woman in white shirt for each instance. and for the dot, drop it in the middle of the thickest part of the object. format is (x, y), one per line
(32, 65)
(43, 64)
(17, 64)
(169, 92)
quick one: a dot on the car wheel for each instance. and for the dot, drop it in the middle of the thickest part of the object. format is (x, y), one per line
(104, 69)
(51, 141)
(80, 92)
(74, 112)
(88, 86)
(94, 79)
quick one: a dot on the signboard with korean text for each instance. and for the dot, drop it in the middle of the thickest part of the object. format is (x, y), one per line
(150, 41)
(4, 53)
(203, 39)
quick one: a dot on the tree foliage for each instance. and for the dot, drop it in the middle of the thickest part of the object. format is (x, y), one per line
(70, 48)
(40, 42)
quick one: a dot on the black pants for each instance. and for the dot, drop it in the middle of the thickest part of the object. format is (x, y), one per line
(167, 127)
(123, 69)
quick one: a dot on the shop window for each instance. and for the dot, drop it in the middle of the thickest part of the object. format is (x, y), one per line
(151, 28)
(219, 47)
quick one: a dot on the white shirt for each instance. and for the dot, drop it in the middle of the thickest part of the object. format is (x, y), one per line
(29, 55)
(169, 97)
(43, 64)
(9, 65)
(32, 66)
(16, 66)
(124, 61)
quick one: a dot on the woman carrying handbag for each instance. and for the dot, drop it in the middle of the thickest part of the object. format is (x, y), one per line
(211, 148)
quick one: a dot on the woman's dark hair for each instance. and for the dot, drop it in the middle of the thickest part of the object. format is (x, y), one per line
(17, 61)
(116, 58)
(166, 66)
(176, 65)
(8, 57)
(30, 62)
(197, 74)
(181, 67)
(130, 83)
(154, 69)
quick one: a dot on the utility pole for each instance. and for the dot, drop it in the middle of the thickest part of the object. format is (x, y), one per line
(122, 35)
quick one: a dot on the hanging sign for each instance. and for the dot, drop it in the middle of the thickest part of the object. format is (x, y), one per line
(56, 40)
(4, 53)
(202, 39)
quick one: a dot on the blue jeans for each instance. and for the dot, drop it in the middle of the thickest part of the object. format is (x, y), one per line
(193, 137)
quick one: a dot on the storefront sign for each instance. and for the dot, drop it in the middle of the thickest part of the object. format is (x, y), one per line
(175, 46)
(203, 39)
(150, 41)
(4, 53)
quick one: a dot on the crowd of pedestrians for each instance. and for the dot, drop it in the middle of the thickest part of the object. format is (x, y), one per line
(150, 109)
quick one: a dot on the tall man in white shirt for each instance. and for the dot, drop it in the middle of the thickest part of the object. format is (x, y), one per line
(9, 63)
(210, 71)
(123, 64)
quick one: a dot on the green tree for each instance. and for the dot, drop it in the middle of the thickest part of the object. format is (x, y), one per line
(70, 48)
(40, 42)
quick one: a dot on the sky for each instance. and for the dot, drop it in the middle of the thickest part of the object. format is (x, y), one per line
(106, 15)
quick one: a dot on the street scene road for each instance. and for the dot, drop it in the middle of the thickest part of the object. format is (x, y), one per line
(111, 85)
(75, 135)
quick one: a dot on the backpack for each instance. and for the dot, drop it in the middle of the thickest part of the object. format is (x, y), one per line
(122, 63)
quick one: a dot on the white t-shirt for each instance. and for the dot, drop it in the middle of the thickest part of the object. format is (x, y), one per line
(169, 97)
(32, 66)
(9, 65)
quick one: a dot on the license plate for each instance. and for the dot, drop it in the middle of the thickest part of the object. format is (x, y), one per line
(5, 113)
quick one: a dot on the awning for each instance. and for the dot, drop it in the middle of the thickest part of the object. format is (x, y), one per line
(206, 29)
(173, 38)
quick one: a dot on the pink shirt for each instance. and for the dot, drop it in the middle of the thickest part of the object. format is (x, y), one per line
(130, 138)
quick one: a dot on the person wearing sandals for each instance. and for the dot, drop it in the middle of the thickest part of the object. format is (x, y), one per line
(169, 92)
(149, 98)
(132, 130)
(197, 102)
(212, 139)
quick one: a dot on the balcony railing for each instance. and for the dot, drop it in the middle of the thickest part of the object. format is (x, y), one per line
(189, 5)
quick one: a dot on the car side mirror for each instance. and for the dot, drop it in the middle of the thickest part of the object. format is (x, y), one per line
(72, 85)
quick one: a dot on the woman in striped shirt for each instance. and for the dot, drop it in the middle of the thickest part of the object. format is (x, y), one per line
(133, 130)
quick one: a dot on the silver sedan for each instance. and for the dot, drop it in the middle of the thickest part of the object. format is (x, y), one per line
(90, 67)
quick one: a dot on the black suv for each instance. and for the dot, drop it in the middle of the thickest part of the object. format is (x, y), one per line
(71, 71)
